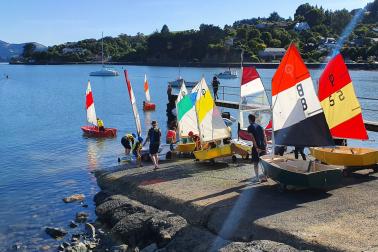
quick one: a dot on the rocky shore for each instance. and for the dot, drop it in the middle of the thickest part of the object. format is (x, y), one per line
(133, 226)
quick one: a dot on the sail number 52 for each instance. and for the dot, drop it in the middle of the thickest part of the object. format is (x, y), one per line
(301, 94)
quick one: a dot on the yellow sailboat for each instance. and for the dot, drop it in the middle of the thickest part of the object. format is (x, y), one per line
(344, 117)
(211, 127)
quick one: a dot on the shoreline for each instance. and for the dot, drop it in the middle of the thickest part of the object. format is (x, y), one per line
(351, 66)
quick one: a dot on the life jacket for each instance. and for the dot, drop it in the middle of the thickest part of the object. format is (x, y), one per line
(100, 123)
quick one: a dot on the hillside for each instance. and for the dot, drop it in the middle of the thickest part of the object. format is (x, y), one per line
(8, 51)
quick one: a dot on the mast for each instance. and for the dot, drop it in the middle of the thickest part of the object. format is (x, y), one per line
(102, 48)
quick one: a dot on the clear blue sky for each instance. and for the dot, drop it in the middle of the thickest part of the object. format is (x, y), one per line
(52, 22)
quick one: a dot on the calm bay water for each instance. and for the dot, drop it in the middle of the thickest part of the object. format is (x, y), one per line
(43, 155)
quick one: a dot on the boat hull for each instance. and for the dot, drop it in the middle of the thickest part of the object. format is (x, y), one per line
(92, 131)
(178, 83)
(147, 106)
(346, 156)
(243, 134)
(104, 73)
(186, 147)
(217, 152)
(295, 172)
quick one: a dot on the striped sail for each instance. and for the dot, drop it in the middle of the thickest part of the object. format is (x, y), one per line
(146, 89)
(338, 99)
(210, 123)
(186, 113)
(89, 105)
(253, 99)
(298, 118)
(133, 104)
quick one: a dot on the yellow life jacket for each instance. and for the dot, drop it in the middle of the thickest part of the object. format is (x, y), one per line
(100, 123)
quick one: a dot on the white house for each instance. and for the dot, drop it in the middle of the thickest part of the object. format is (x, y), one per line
(272, 53)
(301, 26)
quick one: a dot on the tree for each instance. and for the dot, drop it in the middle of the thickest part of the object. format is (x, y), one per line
(340, 19)
(266, 37)
(302, 10)
(274, 17)
(29, 49)
(314, 17)
(164, 29)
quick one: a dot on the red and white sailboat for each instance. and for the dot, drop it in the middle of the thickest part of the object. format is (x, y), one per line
(133, 104)
(147, 104)
(93, 130)
(253, 100)
(344, 117)
(298, 120)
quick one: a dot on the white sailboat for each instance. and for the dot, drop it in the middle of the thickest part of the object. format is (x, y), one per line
(147, 104)
(104, 71)
(187, 118)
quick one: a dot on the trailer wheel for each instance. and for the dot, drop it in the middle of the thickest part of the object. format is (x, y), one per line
(282, 187)
(234, 159)
(375, 168)
(346, 172)
(212, 161)
(246, 157)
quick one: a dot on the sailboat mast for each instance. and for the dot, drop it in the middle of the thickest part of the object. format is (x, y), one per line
(102, 48)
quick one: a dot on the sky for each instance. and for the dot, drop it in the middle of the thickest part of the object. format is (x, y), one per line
(51, 22)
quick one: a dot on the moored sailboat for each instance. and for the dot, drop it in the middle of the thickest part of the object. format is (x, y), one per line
(147, 104)
(344, 117)
(298, 120)
(93, 130)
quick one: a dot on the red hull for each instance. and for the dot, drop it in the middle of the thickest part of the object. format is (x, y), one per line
(148, 106)
(92, 131)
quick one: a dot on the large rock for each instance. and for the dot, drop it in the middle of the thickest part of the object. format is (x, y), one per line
(55, 232)
(100, 197)
(191, 238)
(74, 197)
(258, 246)
(81, 217)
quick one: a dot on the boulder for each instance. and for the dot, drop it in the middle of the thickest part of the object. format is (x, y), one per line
(81, 217)
(72, 224)
(55, 232)
(101, 197)
(73, 198)
(150, 248)
(257, 246)
(120, 248)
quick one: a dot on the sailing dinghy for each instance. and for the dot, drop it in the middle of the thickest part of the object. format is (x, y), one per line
(92, 130)
(298, 120)
(147, 105)
(253, 100)
(344, 117)
(187, 118)
(164, 149)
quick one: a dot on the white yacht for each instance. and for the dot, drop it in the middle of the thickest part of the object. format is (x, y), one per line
(104, 71)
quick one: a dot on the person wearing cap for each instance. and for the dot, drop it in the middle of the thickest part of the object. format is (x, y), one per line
(127, 141)
(215, 83)
(153, 136)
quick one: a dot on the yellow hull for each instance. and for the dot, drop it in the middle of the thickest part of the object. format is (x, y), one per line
(185, 147)
(346, 156)
(220, 151)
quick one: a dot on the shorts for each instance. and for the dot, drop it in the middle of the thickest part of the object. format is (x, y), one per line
(256, 155)
(154, 148)
(125, 143)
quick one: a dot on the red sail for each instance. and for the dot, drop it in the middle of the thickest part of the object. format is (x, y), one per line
(339, 101)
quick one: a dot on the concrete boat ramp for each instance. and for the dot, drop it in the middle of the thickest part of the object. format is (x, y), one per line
(223, 199)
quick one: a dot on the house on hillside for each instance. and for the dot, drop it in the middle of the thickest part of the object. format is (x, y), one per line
(272, 53)
(301, 26)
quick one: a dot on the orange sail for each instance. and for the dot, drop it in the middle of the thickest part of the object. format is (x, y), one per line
(298, 118)
(339, 101)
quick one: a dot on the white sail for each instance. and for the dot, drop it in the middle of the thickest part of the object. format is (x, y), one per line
(253, 99)
(133, 105)
(186, 113)
(89, 104)
(146, 89)
(210, 123)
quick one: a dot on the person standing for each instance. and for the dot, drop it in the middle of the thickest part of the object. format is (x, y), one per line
(215, 83)
(153, 136)
(259, 144)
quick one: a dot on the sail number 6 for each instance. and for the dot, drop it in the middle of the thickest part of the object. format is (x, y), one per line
(301, 94)
(340, 95)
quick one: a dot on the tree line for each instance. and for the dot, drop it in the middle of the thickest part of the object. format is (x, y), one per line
(211, 43)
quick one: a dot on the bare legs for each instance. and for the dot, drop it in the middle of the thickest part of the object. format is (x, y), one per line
(155, 160)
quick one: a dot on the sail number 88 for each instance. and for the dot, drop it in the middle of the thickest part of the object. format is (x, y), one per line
(301, 94)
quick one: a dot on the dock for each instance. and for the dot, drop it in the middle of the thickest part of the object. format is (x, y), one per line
(221, 198)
